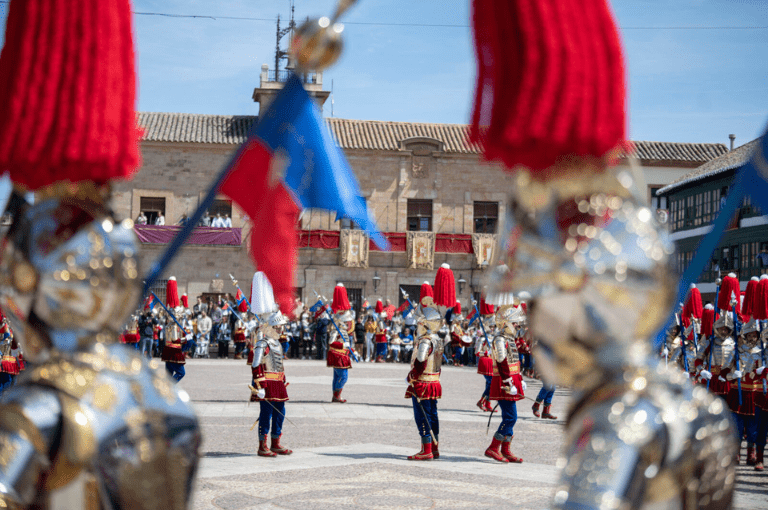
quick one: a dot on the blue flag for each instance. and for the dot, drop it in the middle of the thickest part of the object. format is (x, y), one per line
(317, 306)
(317, 173)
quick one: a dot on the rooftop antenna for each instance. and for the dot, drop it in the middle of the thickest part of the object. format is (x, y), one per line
(283, 54)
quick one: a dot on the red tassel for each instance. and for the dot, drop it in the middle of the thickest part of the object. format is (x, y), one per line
(185, 301)
(340, 299)
(693, 306)
(426, 290)
(550, 83)
(747, 304)
(172, 293)
(760, 307)
(486, 309)
(445, 287)
(728, 288)
(68, 87)
(379, 307)
(707, 320)
(457, 308)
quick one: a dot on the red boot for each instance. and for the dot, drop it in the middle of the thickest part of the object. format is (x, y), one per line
(424, 454)
(435, 453)
(489, 408)
(337, 397)
(507, 453)
(751, 458)
(493, 451)
(276, 448)
(535, 409)
(546, 414)
(264, 450)
(481, 403)
(759, 458)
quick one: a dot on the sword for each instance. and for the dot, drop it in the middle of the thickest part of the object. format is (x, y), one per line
(426, 419)
(488, 427)
(273, 407)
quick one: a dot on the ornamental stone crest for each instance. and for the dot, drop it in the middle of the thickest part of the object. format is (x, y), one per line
(423, 153)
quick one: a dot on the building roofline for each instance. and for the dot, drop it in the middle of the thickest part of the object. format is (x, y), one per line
(379, 135)
(731, 160)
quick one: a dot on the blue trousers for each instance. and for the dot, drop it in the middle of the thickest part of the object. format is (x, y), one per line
(508, 419)
(746, 424)
(488, 380)
(6, 381)
(175, 369)
(381, 349)
(145, 346)
(545, 394)
(424, 422)
(762, 426)
(457, 354)
(268, 414)
(340, 378)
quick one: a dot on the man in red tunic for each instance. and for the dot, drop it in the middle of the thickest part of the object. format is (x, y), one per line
(269, 387)
(340, 345)
(173, 351)
(424, 379)
(507, 385)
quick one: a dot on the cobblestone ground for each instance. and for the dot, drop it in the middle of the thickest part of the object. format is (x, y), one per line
(353, 455)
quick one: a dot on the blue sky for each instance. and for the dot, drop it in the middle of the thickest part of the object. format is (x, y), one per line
(684, 85)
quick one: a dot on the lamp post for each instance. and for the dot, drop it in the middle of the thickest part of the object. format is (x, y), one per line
(461, 283)
(376, 281)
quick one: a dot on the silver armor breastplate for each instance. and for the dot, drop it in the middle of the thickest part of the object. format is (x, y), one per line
(676, 353)
(722, 351)
(434, 360)
(273, 360)
(129, 437)
(702, 352)
(335, 337)
(750, 358)
(505, 348)
(665, 458)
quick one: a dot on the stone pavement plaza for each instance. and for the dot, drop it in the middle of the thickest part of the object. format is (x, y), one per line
(353, 455)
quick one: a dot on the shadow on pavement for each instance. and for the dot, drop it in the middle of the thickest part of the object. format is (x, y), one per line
(228, 454)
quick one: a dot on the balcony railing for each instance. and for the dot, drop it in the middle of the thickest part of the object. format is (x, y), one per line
(282, 75)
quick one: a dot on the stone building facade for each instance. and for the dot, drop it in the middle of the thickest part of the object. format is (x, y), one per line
(414, 176)
(425, 184)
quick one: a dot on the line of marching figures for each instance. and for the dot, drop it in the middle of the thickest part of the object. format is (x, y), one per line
(723, 346)
(434, 317)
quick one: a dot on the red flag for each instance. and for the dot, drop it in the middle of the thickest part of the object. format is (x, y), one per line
(273, 214)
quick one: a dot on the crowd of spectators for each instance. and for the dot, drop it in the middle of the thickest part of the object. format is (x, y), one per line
(376, 338)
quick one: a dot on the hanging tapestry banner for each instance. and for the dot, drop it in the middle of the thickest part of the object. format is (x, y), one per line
(420, 248)
(354, 248)
(484, 246)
